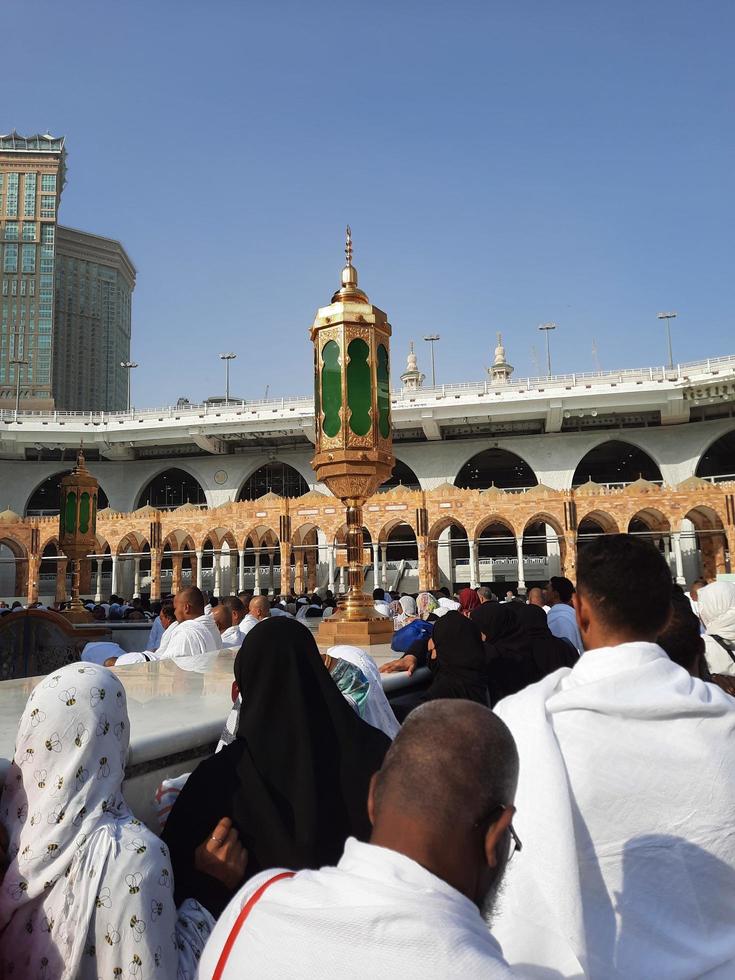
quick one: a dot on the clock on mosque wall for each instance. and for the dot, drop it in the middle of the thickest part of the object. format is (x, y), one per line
(220, 477)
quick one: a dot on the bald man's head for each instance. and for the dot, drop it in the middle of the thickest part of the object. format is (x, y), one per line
(189, 604)
(260, 607)
(444, 795)
(236, 607)
(222, 616)
(451, 762)
(535, 596)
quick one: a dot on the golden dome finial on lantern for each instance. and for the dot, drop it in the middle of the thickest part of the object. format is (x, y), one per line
(348, 292)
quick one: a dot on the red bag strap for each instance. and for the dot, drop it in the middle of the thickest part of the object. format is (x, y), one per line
(244, 913)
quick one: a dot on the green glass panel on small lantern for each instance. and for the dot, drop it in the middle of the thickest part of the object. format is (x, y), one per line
(383, 392)
(359, 394)
(70, 513)
(331, 389)
(84, 510)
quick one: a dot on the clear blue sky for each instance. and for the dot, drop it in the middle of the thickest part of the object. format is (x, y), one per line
(501, 164)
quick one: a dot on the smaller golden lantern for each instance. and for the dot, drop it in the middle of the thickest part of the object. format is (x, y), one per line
(78, 528)
(354, 436)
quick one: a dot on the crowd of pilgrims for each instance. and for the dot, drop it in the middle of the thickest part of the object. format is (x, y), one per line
(330, 835)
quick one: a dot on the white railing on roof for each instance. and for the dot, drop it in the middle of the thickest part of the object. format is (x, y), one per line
(680, 373)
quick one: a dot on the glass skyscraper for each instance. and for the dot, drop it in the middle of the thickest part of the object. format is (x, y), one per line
(65, 295)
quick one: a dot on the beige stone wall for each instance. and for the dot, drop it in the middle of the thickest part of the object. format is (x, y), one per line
(288, 525)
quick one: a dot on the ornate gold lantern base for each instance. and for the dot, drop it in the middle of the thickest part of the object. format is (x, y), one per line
(76, 613)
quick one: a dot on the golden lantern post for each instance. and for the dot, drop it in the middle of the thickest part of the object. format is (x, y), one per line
(354, 439)
(78, 528)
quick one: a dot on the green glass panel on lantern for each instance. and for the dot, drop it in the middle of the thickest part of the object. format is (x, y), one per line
(383, 392)
(70, 513)
(94, 513)
(331, 400)
(359, 394)
(84, 513)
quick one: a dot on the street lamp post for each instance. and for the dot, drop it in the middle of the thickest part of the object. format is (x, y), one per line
(668, 317)
(229, 356)
(128, 365)
(547, 328)
(432, 339)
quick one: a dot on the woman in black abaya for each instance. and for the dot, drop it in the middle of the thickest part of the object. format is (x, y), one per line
(295, 779)
(457, 660)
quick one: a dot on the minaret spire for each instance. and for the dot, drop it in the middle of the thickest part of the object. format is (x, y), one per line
(348, 246)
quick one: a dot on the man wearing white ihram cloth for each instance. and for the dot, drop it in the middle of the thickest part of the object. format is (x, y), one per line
(626, 795)
(195, 633)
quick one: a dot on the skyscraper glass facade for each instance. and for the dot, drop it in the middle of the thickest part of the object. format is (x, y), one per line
(31, 178)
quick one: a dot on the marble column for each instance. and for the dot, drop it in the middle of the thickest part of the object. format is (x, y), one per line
(472, 544)
(113, 578)
(376, 565)
(384, 567)
(98, 588)
(521, 577)
(199, 568)
(343, 579)
(330, 567)
(241, 570)
(271, 573)
(676, 543)
(136, 580)
(217, 569)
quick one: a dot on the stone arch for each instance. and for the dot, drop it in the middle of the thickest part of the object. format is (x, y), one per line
(402, 476)
(275, 476)
(495, 467)
(171, 487)
(617, 462)
(44, 500)
(399, 538)
(134, 563)
(596, 522)
(649, 521)
(717, 462)
(490, 519)
(13, 552)
(707, 541)
(538, 544)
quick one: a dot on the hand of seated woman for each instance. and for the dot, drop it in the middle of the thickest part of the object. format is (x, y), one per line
(222, 856)
(407, 662)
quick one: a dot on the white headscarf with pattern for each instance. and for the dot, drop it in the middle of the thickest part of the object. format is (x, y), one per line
(89, 889)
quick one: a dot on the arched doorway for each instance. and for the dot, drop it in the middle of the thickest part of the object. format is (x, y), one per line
(44, 501)
(13, 570)
(398, 569)
(171, 489)
(448, 555)
(704, 545)
(718, 462)
(543, 550)
(615, 464)
(496, 467)
(497, 555)
(275, 477)
(134, 566)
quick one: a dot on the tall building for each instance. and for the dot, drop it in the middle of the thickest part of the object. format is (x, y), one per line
(66, 294)
(32, 170)
(94, 286)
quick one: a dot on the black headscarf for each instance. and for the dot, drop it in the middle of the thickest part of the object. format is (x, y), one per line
(295, 779)
(508, 649)
(549, 652)
(459, 665)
